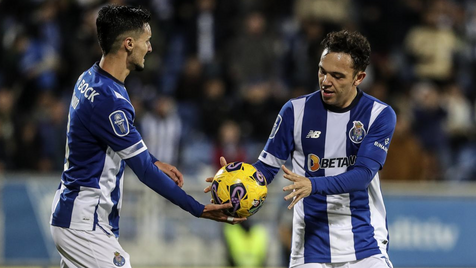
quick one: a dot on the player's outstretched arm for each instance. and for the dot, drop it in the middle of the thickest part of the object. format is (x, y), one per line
(216, 212)
(171, 171)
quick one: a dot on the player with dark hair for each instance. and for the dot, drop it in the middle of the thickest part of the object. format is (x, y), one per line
(338, 138)
(101, 139)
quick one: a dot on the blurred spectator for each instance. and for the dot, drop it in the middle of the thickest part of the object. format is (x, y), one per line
(464, 168)
(162, 130)
(83, 49)
(228, 144)
(460, 123)
(3, 152)
(429, 119)
(256, 110)
(432, 44)
(7, 127)
(336, 12)
(240, 60)
(247, 244)
(28, 146)
(190, 82)
(461, 130)
(52, 130)
(215, 107)
(188, 92)
(406, 155)
(302, 55)
(252, 54)
(209, 28)
(38, 59)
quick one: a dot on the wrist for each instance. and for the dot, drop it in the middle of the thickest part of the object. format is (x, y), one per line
(315, 185)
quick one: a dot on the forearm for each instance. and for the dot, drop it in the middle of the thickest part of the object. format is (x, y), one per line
(149, 174)
(356, 179)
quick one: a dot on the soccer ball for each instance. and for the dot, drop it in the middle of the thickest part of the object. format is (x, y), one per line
(241, 184)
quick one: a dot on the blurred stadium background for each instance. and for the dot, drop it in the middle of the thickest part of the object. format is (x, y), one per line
(218, 74)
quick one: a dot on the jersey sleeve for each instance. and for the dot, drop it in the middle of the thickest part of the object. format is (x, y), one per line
(377, 141)
(280, 143)
(154, 178)
(113, 124)
(356, 179)
(370, 158)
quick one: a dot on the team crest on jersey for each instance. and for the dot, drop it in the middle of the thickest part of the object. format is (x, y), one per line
(119, 123)
(276, 126)
(118, 260)
(357, 132)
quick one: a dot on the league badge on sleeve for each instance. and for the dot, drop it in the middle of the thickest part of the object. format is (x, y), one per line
(119, 123)
(357, 132)
(276, 126)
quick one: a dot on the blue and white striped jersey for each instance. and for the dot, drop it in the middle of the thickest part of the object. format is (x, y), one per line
(344, 219)
(100, 137)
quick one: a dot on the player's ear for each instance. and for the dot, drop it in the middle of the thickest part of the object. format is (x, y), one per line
(129, 44)
(359, 77)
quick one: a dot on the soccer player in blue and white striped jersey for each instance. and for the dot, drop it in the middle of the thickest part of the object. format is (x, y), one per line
(338, 138)
(101, 139)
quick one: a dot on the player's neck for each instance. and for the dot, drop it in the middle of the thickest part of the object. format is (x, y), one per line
(115, 66)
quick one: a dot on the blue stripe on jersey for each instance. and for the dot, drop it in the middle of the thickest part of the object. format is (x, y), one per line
(96, 219)
(312, 136)
(316, 239)
(64, 209)
(315, 206)
(359, 203)
(115, 196)
(364, 241)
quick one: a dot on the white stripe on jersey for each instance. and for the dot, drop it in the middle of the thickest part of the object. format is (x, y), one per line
(341, 236)
(119, 96)
(299, 230)
(299, 157)
(377, 207)
(298, 161)
(377, 214)
(271, 159)
(66, 149)
(133, 150)
(107, 182)
(82, 216)
(376, 110)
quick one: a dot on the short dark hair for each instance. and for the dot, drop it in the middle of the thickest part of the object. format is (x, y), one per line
(352, 43)
(113, 21)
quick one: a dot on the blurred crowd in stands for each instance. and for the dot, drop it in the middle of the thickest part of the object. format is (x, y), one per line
(220, 71)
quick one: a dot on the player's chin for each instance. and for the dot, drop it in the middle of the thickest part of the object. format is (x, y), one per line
(328, 100)
(139, 67)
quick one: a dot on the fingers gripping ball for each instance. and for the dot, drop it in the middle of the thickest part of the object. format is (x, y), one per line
(242, 185)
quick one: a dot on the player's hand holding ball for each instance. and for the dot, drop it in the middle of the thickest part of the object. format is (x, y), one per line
(240, 185)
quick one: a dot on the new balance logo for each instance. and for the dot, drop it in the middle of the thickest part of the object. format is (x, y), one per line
(313, 134)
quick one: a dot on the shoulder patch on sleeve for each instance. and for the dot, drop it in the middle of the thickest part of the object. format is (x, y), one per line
(276, 126)
(119, 123)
